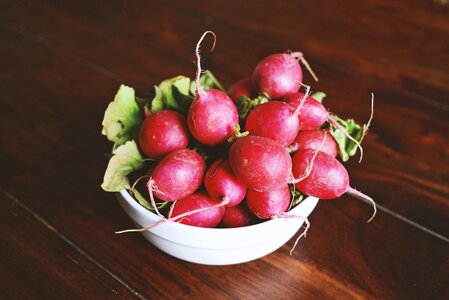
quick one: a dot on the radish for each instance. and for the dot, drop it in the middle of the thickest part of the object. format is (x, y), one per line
(236, 216)
(325, 177)
(197, 210)
(313, 114)
(177, 175)
(320, 140)
(278, 75)
(266, 205)
(221, 183)
(260, 163)
(243, 87)
(163, 133)
(275, 120)
(212, 115)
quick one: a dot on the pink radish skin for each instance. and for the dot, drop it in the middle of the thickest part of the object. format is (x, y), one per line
(177, 175)
(266, 205)
(236, 216)
(162, 133)
(316, 140)
(260, 163)
(312, 115)
(327, 178)
(220, 182)
(209, 217)
(275, 120)
(212, 115)
(277, 75)
(243, 87)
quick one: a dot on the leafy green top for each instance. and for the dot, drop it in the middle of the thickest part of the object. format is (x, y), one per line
(126, 159)
(122, 117)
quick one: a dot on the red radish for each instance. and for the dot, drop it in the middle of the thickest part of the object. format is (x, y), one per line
(236, 216)
(260, 163)
(266, 205)
(275, 120)
(243, 87)
(326, 177)
(197, 210)
(177, 175)
(163, 133)
(320, 140)
(278, 75)
(313, 114)
(212, 115)
(221, 183)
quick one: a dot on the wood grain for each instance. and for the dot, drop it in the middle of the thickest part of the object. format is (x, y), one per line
(58, 74)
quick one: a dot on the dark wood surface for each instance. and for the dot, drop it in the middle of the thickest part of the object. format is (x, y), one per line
(60, 64)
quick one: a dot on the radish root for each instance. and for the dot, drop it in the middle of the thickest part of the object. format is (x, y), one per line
(368, 124)
(284, 215)
(364, 198)
(303, 100)
(224, 202)
(199, 89)
(300, 56)
(151, 187)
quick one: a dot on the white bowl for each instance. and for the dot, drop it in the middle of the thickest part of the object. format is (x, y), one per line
(217, 246)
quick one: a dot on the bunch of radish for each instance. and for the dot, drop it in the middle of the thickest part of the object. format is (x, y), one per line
(210, 157)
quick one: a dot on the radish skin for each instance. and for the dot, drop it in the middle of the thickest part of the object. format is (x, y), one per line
(275, 120)
(177, 175)
(243, 87)
(260, 163)
(313, 139)
(197, 210)
(313, 114)
(277, 75)
(266, 205)
(236, 216)
(327, 177)
(162, 133)
(221, 182)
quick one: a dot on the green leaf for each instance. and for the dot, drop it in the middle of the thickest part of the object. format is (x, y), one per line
(125, 159)
(347, 147)
(144, 202)
(297, 196)
(319, 96)
(207, 81)
(245, 104)
(122, 117)
(173, 93)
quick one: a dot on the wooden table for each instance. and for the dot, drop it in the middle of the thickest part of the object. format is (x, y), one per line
(60, 65)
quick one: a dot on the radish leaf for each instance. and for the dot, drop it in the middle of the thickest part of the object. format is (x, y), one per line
(173, 94)
(207, 81)
(346, 147)
(122, 117)
(319, 96)
(125, 159)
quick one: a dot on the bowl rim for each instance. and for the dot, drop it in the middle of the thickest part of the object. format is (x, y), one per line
(153, 217)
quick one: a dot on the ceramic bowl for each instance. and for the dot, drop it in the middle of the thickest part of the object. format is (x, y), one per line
(217, 246)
